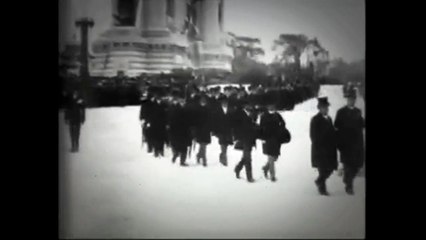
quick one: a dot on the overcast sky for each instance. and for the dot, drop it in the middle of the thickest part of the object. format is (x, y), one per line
(338, 24)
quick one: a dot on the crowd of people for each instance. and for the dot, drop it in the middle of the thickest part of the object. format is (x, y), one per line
(179, 118)
(235, 116)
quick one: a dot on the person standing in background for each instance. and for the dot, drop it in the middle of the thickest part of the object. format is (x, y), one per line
(75, 116)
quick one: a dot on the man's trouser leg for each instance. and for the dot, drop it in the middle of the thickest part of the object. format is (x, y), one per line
(349, 174)
(175, 154)
(247, 162)
(223, 158)
(324, 174)
(202, 153)
(183, 156)
(271, 165)
(240, 165)
(75, 134)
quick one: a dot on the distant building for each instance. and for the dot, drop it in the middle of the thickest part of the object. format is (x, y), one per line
(151, 36)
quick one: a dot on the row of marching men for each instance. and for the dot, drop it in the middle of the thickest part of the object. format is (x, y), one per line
(181, 121)
(238, 122)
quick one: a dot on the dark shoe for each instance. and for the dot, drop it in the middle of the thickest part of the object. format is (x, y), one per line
(317, 183)
(237, 173)
(273, 179)
(265, 171)
(223, 162)
(324, 190)
(321, 188)
(349, 190)
(324, 193)
(184, 165)
(174, 159)
(250, 180)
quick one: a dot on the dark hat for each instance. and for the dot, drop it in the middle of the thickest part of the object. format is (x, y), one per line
(223, 98)
(176, 93)
(245, 103)
(203, 97)
(351, 93)
(323, 101)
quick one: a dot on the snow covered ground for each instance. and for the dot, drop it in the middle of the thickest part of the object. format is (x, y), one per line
(114, 189)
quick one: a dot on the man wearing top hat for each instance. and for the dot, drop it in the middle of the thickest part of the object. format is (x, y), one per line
(350, 124)
(323, 148)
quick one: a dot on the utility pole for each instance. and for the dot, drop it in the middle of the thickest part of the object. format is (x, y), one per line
(84, 24)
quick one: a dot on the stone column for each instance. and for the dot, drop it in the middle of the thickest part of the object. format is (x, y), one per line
(180, 14)
(154, 16)
(209, 21)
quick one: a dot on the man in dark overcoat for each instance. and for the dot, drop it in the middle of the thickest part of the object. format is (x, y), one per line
(157, 126)
(323, 151)
(146, 114)
(203, 128)
(179, 129)
(272, 126)
(223, 128)
(246, 132)
(350, 125)
(75, 116)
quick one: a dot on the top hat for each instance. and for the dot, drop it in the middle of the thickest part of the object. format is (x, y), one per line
(323, 101)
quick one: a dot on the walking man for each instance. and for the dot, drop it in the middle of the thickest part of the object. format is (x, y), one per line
(246, 132)
(272, 127)
(75, 116)
(179, 129)
(323, 151)
(223, 128)
(203, 128)
(350, 125)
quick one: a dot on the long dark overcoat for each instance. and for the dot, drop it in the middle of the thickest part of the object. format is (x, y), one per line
(203, 124)
(75, 112)
(271, 126)
(245, 129)
(223, 125)
(179, 131)
(323, 138)
(350, 139)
